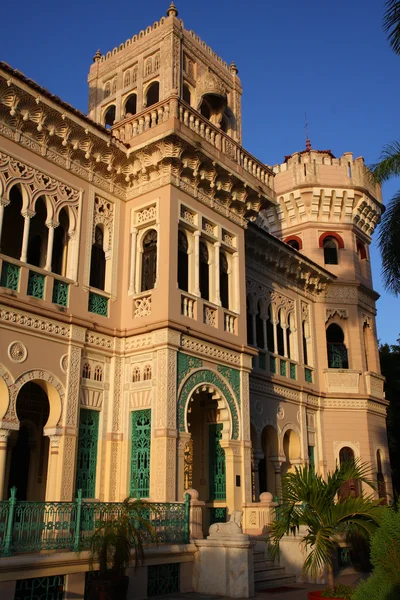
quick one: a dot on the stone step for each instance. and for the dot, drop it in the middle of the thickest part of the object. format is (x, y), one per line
(268, 573)
(274, 582)
(261, 566)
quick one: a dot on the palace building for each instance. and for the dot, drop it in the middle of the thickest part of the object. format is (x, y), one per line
(174, 314)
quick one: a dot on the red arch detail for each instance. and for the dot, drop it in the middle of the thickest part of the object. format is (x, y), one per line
(332, 234)
(361, 249)
(296, 239)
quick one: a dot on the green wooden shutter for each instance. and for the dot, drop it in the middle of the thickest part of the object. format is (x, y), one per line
(216, 463)
(87, 452)
(140, 454)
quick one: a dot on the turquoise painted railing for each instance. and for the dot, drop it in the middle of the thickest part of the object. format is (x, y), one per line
(36, 526)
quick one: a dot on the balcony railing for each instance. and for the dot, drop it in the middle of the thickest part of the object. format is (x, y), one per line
(37, 526)
(159, 113)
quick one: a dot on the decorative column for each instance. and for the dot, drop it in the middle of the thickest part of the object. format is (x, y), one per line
(217, 299)
(132, 269)
(27, 214)
(197, 263)
(285, 348)
(52, 487)
(235, 286)
(3, 204)
(278, 478)
(4, 434)
(257, 456)
(254, 328)
(233, 462)
(183, 439)
(264, 324)
(51, 225)
(274, 325)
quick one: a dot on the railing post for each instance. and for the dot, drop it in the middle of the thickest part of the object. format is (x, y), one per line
(10, 522)
(187, 518)
(78, 521)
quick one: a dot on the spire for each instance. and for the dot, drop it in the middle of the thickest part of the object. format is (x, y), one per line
(97, 56)
(234, 68)
(308, 141)
(172, 10)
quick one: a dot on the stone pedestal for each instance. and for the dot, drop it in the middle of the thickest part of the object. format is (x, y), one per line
(223, 566)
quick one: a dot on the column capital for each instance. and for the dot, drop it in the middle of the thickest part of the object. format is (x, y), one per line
(28, 214)
(197, 233)
(4, 202)
(134, 230)
(4, 434)
(52, 224)
(217, 244)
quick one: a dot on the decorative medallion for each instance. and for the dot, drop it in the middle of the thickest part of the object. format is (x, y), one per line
(280, 413)
(64, 363)
(17, 352)
(258, 407)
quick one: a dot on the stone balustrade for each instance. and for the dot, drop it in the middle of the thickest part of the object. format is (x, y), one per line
(258, 516)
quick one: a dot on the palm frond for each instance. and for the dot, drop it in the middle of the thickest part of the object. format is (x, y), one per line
(389, 163)
(391, 24)
(388, 240)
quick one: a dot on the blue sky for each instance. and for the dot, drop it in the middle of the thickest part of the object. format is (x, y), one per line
(329, 59)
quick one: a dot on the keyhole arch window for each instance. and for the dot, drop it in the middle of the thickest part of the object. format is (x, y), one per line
(280, 332)
(149, 260)
(98, 260)
(224, 277)
(183, 261)
(204, 268)
(336, 348)
(331, 242)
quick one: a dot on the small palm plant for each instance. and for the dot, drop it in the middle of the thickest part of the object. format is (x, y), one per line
(309, 500)
(118, 542)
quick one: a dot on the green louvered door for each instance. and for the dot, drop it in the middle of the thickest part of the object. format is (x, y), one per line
(216, 463)
(87, 452)
(140, 454)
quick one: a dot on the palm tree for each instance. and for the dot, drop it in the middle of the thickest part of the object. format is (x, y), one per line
(307, 499)
(389, 166)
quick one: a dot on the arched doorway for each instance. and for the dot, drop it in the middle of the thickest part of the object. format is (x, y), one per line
(291, 450)
(351, 487)
(28, 448)
(267, 464)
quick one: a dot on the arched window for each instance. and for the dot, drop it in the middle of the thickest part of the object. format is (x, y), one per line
(280, 334)
(260, 327)
(183, 262)
(380, 478)
(107, 90)
(304, 336)
(249, 323)
(60, 245)
(38, 235)
(114, 85)
(148, 69)
(98, 373)
(109, 117)
(153, 94)
(149, 260)
(147, 373)
(186, 94)
(98, 261)
(135, 374)
(127, 79)
(204, 272)
(361, 251)
(289, 336)
(330, 251)
(351, 487)
(157, 61)
(337, 351)
(134, 75)
(86, 371)
(13, 225)
(294, 241)
(224, 280)
(131, 105)
(270, 331)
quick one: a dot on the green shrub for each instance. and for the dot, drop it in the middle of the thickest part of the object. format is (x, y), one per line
(384, 583)
(341, 591)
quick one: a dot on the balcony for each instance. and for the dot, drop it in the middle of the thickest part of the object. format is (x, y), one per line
(208, 313)
(17, 277)
(68, 526)
(159, 114)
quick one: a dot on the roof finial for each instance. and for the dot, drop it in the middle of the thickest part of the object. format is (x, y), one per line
(308, 141)
(97, 56)
(234, 68)
(172, 10)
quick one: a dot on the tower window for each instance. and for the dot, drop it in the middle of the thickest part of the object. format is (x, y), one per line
(107, 90)
(127, 79)
(361, 251)
(330, 251)
(153, 94)
(157, 61)
(131, 104)
(109, 117)
(186, 94)
(337, 351)
(183, 262)
(149, 260)
(295, 242)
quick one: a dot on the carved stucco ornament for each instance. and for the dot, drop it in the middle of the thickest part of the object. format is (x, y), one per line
(17, 352)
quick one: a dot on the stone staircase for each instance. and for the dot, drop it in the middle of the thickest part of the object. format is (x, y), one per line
(267, 574)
